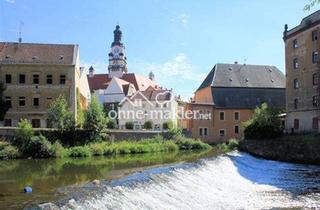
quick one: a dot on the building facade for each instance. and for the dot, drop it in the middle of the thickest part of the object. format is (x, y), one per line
(302, 75)
(35, 75)
(228, 96)
(157, 106)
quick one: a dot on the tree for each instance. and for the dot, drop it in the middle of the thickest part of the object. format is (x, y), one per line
(264, 124)
(311, 4)
(129, 125)
(168, 125)
(3, 105)
(59, 115)
(95, 121)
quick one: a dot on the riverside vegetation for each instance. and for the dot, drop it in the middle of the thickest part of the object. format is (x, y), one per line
(86, 138)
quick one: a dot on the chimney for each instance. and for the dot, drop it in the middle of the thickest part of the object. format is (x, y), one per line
(236, 62)
(91, 71)
(151, 76)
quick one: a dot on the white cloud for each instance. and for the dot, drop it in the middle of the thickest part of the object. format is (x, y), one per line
(181, 18)
(10, 1)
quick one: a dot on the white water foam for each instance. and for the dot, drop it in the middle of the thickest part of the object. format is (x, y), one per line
(234, 181)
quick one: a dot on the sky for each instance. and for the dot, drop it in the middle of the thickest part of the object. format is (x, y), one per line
(179, 40)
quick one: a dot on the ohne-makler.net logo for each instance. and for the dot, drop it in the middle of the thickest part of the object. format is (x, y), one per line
(163, 107)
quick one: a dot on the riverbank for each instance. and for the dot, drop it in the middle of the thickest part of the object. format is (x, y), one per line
(104, 148)
(299, 148)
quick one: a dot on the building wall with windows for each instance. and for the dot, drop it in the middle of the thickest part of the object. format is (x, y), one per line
(302, 75)
(35, 75)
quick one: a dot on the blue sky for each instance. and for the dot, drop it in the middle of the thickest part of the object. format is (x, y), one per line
(180, 41)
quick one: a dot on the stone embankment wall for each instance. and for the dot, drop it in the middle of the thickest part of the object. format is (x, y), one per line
(294, 150)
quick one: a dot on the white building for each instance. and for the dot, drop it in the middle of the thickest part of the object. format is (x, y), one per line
(158, 106)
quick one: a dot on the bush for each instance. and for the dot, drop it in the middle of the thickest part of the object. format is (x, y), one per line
(167, 125)
(8, 151)
(23, 134)
(265, 124)
(98, 149)
(129, 125)
(111, 124)
(233, 144)
(58, 150)
(38, 147)
(79, 151)
(148, 125)
(191, 144)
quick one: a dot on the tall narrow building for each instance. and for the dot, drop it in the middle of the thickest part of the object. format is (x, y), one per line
(302, 74)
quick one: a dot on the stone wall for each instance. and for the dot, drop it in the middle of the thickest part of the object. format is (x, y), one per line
(295, 150)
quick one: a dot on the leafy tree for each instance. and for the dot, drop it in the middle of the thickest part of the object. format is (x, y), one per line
(111, 124)
(168, 125)
(95, 121)
(264, 124)
(59, 115)
(148, 125)
(3, 105)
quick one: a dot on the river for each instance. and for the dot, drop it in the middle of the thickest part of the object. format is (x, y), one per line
(206, 180)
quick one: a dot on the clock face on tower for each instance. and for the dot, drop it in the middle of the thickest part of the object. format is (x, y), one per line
(116, 50)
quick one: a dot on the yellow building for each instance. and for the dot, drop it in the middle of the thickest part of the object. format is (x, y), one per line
(303, 75)
(35, 75)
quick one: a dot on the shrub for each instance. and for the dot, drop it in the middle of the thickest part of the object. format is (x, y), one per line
(264, 124)
(38, 147)
(167, 125)
(129, 125)
(58, 150)
(111, 124)
(23, 134)
(191, 144)
(175, 133)
(9, 152)
(233, 144)
(98, 149)
(148, 125)
(79, 151)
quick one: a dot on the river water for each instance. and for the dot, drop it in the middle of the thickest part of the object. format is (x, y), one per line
(175, 181)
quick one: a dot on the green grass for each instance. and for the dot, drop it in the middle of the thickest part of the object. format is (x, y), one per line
(229, 146)
(152, 145)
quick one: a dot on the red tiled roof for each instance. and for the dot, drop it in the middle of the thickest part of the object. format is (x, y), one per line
(101, 81)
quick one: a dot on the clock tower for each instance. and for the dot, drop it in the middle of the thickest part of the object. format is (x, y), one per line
(117, 59)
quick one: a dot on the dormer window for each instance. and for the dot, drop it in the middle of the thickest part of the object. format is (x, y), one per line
(272, 80)
(247, 80)
(7, 57)
(230, 68)
(230, 79)
(61, 57)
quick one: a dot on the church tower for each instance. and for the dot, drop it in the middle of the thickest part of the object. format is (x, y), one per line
(117, 59)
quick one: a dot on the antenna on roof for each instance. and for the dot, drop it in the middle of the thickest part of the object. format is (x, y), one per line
(20, 31)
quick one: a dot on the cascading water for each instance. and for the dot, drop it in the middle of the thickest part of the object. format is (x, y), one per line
(232, 181)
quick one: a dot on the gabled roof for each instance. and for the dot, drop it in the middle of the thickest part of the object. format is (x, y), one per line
(244, 75)
(31, 53)
(101, 81)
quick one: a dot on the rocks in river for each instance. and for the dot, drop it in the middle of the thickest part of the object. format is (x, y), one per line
(48, 206)
(71, 204)
(96, 182)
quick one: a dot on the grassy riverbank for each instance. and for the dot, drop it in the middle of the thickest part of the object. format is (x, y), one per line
(157, 144)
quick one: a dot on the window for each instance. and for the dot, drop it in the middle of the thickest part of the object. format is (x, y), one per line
(8, 101)
(8, 78)
(295, 84)
(315, 123)
(35, 123)
(296, 102)
(205, 131)
(35, 79)
(295, 63)
(222, 132)
(22, 101)
(314, 35)
(221, 115)
(49, 79)
(165, 105)
(236, 116)
(315, 57)
(7, 122)
(22, 78)
(35, 101)
(236, 129)
(62, 79)
(295, 43)
(315, 79)
(296, 123)
(200, 132)
(315, 101)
